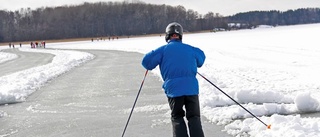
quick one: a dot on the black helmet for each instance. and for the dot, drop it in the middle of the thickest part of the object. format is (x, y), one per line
(174, 28)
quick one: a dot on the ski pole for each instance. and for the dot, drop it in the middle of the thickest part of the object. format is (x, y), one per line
(268, 126)
(134, 104)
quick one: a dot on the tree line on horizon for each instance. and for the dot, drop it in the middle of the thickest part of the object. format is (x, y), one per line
(277, 18)
(105, 19)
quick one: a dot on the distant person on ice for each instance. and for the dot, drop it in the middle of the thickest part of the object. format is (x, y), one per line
(178, 64)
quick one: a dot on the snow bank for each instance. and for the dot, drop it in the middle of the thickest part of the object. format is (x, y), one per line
(17, 86)
(284, 126)
(306, 103)
(7, 56)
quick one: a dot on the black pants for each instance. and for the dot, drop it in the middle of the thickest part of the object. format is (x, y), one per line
(192, 114)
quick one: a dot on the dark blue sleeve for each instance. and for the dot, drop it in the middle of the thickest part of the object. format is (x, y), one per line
(152, 59)
(200, 57)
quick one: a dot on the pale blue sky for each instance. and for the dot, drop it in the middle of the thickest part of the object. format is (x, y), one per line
(224, 7)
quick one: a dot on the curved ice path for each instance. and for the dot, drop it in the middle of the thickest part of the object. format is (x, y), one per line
(18, 86)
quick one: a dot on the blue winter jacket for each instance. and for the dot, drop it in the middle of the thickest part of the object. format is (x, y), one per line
(178, 64)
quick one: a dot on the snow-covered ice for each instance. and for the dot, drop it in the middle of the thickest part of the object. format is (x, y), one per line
(273, 72)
